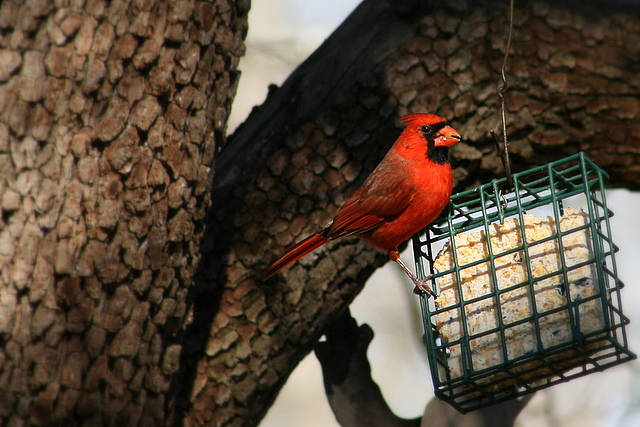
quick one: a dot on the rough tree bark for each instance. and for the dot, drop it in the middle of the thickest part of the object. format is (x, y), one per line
(575, 81)
(110, 115)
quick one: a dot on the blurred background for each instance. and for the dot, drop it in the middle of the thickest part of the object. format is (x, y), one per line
(282, 33)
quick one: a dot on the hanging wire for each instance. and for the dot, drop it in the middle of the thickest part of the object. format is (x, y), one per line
(503, 150)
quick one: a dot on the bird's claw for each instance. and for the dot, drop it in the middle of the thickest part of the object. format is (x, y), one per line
(422, 287)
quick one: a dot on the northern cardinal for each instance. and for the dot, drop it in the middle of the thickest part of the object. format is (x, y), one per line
(404, 194)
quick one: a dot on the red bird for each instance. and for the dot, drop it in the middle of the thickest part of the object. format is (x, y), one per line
(404, 194)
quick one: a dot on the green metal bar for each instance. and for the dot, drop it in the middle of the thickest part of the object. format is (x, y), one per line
(550, 185)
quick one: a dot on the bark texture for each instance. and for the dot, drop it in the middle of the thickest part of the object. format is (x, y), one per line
(110, 114)
(574, 85)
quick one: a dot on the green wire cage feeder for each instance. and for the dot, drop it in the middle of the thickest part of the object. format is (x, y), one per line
(528, 291)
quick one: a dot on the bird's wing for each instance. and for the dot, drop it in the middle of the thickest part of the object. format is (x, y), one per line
(382, 197)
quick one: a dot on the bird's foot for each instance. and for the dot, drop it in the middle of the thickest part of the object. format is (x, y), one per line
(422, 286)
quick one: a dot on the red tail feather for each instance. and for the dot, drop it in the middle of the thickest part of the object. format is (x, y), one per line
(298, 251)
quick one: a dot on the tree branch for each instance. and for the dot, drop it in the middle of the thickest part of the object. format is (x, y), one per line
(283, 175)
(354, 397)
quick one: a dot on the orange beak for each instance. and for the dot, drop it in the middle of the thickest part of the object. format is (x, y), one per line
(447, 137)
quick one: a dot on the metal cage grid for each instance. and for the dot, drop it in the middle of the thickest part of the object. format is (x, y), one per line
(573, 180)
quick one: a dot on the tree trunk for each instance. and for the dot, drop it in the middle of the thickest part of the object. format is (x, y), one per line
(574, 85)
(110, 114)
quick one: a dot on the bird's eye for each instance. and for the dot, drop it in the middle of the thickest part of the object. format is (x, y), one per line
(425, 129)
